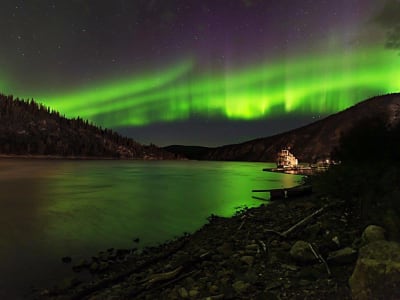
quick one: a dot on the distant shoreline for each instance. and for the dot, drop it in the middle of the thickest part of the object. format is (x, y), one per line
(59, 157)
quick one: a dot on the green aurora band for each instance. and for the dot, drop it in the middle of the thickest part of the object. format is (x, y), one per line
(317, 84)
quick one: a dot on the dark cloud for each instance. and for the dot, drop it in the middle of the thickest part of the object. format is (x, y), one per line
(389, 19)
(389, 16)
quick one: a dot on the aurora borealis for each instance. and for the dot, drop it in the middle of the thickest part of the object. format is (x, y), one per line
(142, 67)
(249, 94)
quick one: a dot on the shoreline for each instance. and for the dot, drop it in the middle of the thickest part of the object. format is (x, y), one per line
(241, 257)
(59, 157)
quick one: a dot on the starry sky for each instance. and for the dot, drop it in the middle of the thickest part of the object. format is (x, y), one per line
(198, 72)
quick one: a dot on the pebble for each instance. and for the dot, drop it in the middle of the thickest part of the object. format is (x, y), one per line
(213, 289)
(247, 259)
(183, 293)
(252, 247)
(240, 287)
(193, 293)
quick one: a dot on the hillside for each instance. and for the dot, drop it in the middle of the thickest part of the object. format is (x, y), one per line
(29, 128)
(309, 143)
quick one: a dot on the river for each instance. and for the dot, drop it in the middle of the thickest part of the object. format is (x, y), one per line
(56, 208)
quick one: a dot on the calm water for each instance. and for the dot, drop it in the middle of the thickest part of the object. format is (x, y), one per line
(50, 209)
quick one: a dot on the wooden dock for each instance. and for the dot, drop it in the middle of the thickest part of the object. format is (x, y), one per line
(300, 170)
(297, 191)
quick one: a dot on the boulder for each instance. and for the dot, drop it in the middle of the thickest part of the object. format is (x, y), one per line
(183, 293)
(301, 252)
(66, 259)
(247, 259)
(240, 287)
(343, 256)
(377, 272)
(373, 233)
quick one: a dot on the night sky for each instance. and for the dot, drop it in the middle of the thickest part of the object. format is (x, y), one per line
(201, 72)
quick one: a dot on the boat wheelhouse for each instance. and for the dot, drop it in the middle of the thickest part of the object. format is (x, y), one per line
(286, 159)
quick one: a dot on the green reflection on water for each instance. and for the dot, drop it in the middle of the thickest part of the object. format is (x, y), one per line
(50, 209)
(110, 203)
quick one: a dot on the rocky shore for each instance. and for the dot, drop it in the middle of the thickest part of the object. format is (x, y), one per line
(313, 247)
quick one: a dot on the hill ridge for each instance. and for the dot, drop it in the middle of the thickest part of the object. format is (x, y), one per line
(311, 142)
(30, 128)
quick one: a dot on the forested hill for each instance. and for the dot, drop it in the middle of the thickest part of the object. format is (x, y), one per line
(29, 128)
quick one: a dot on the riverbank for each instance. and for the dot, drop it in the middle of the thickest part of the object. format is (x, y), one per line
(258, 253)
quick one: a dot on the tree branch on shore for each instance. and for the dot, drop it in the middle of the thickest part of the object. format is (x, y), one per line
(298, 224)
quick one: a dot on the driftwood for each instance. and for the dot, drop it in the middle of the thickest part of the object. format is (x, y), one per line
(320, 258)
(264, 251)
(298, 224)
(215, 297)
(191, 273)
(162, 276)
(304, 221)
(170, 277)
(241, 225)
(104, 283)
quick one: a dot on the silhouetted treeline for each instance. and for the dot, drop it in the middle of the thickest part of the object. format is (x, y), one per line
(371, 140)
(369, 174)
(27, 127)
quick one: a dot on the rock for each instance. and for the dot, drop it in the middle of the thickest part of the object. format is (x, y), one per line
(189, 281)
(273, 285)
(69, 283)
(373, 233)
(103, 266)
(303, 282)
(183, 293)
(312, 231)
(289, 267)
(252, 247)
(377, 272)
(66, 259)
(225, 249)
(247, 259)
(94, 267)
(122, 252)
(213, 289)
(343, 256)
(270, 295)
(83, 263)
(312, 272)
(285, 245)
(217, 257)
(335, 239)
(301, 252)
(193, 293)
(274, 243)
(240, 287)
